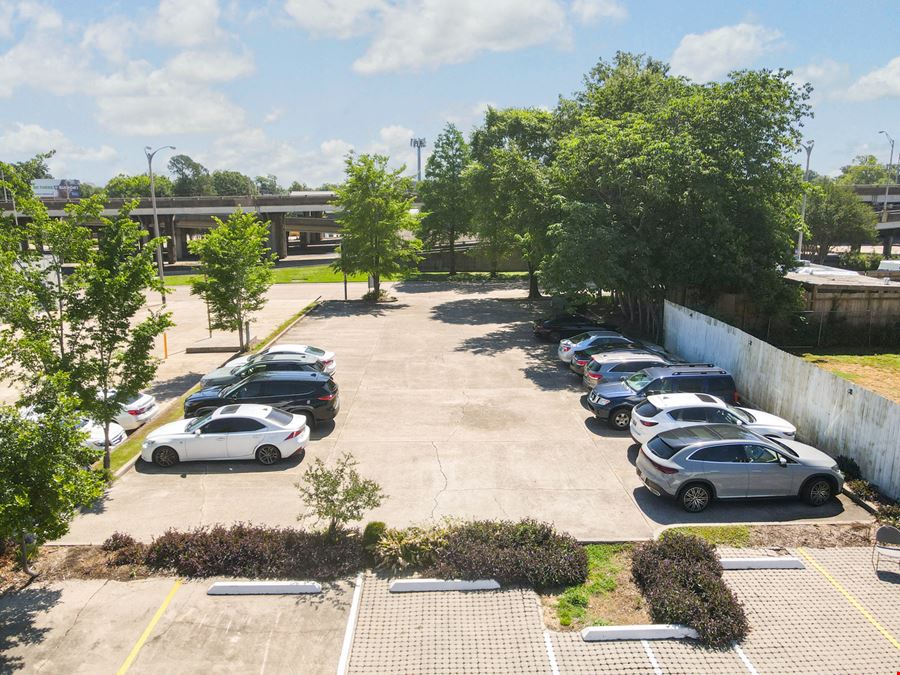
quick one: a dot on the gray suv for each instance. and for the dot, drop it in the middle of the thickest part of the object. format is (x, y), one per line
(697, 464)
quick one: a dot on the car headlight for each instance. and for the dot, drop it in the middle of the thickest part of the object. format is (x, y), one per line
(602, 401)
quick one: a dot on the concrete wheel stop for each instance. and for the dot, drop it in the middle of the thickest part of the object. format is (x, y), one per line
(650, 631)
(437, 585)
(264, 588)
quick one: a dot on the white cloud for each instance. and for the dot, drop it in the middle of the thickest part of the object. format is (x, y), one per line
(709, 55)
(274, 115)
(879, 83)
(335, 18)
(187, 23)
(467, 117)
(828, 78)
(26, 140)
(110, 38)
(210, 65)
(425, 34)
(589, 11)
(6, 20)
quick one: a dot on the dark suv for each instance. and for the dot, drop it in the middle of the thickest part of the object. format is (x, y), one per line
(314, 395)
(612, 401)
(565, 326)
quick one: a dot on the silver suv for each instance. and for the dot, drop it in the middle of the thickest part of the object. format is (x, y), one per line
(719, 461)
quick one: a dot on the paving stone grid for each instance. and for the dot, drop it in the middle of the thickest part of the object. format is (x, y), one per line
(800, 623)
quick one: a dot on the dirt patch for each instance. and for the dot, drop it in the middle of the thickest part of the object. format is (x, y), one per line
(57, 563)
(825, 535)
(879, 373)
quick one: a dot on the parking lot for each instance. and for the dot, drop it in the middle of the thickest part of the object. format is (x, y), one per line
(448, 402)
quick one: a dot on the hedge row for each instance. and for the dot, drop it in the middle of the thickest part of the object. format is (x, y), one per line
(681, 578)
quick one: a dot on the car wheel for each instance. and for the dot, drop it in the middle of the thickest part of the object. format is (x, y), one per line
(164, 457)
(268, 455)
(696, 497)
(620, 418)
(818, 491)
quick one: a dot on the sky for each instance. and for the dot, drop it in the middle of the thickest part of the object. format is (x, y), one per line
(289, 87)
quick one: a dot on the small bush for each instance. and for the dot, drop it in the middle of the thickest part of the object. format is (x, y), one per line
(410, 548)
(381, 296)
(848, 467)
(889, 514)
(525, 552)
(372, 534)
(118, 541)
(256, 552)
(864, 489)
(681, 578)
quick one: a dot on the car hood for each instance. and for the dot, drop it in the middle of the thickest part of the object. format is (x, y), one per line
(94, 431)
(206, 394)
(613, 389)
(808, 454)
(770, 421)
(170, 429)
(219, 373)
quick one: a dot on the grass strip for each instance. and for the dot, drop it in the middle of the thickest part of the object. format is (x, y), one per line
(737, 536)
(603, 567)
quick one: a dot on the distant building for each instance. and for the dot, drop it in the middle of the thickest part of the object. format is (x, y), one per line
(56, 188)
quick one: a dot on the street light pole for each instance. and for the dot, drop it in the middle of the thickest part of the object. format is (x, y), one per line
(808, 147)
(159, 260)
(887, 188)
(418, 144)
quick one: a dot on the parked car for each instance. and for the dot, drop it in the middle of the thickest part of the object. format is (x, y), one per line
(674, 411)
(325, 357)
(567, 325)
(242, 431)
(618, 365)
(613, 401)
(137, 410)
(722, 461)
(569, 346)
(313, 395)
(582, 358)
(268, 362)
(94, 430)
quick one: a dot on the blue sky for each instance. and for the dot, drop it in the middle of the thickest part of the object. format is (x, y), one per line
(290, 86)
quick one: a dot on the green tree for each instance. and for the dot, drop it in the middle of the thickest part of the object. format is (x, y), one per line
(137, 187)
(268, 185)
(374, 210)
(835, 215)
(298, 186)
(232, 183)
(448, 214)
(192, 179)
(44, 477)
(113, 360)
(236, 267)
(34, 168)
(338, 495)
(865, 170)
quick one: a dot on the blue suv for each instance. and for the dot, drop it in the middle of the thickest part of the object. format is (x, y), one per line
(612, 401)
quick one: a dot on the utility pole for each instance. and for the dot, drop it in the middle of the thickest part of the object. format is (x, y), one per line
(418, 144)
(887, 188)
(159, 260)
(808, 147)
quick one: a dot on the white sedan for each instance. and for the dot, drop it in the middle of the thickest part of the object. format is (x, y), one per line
(94, 430)
(671, 411)
(246, 431)
(137, 410)
(325, 357)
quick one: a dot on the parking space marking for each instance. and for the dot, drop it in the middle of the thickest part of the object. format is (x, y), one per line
(743, 657)
(554, 667)
(149, 629)
(344, 662)
(852, 600)
(650, 655)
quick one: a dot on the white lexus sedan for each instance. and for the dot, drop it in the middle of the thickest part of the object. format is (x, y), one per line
(672, 411)
(325, 357)
(137, 410)
(246, 431)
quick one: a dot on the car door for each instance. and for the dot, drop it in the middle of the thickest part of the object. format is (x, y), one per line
(211, 442)
(725, 466)
(768, 476)
(244, 436)
(247, 393)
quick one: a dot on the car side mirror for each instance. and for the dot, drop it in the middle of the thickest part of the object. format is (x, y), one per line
(782, 461)
(621, 378)
(197, 432)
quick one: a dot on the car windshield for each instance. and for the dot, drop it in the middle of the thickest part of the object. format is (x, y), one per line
(660, 448)
(742, 415)
(575, 339)
(197, 421)
(638, 381)
(280, 417)
(790, 451)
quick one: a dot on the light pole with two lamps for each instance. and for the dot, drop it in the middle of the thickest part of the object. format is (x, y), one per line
(808, 147)
(159, 261)
(887, 188)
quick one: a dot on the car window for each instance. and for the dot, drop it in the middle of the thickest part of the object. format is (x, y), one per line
(283, 388)
(721, 386)
(247, 390)
(239, 424)
(578, 338)
(660, 448)
(742, 415)
(721, 453)
(623, 368)
(757, 454)
(279, 417)
(646, 409)
(722, 416)
(197, 422)
(689, 385)
(691, 414)
(638, 381)
(220, 425)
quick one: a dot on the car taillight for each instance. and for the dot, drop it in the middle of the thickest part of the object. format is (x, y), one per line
(294, 434)
(566, 348)
(595, 376)
(327, 397)
(327, 362)
(138, 411)
(660, 467)
(648, 423)
(580, 362)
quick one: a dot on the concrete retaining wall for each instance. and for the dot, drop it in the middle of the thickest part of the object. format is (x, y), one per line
(831, 413)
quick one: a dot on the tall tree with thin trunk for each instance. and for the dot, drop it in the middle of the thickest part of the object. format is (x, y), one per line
(448, 214)
(236, 263)
(835, 215)
(375, 210)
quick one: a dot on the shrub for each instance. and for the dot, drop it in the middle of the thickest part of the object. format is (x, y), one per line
(525, 552)
(125, 549)
(681, 578)
(889, 514)
(864, 489)
(256, 552)
(410, 548)
(117, 541)
(848, 467)
(372, 534)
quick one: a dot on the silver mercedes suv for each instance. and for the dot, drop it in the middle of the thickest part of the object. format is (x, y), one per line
(721, 461)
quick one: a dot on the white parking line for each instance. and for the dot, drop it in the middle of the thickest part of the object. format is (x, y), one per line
(652, 657)
(745, 660)
(554, 668)
(344, 663)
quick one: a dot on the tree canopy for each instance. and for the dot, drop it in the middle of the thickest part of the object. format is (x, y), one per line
(136, 187)
(192, 179)
(865, 170)
(835, 215)
(232, 183)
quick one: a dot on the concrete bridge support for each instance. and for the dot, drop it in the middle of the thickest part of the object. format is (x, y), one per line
(277, 235)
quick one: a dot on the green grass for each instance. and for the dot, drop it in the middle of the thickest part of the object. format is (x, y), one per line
(603, 567)
(726, 535)
(876, 371)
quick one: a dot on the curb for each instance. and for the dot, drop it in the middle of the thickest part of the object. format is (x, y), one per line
(650, 631)
(859, 501)
(264, 588)
(782, 562)
(440, 585)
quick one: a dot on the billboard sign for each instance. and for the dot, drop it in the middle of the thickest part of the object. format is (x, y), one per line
(56, 188)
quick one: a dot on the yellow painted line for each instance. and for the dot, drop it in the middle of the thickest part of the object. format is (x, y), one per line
(853, 601)
(149, 629)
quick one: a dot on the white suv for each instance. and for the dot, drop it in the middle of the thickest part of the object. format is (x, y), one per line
(671, 411)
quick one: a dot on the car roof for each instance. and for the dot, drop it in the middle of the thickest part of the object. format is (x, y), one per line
(677, 400)
(705, 433)
(627, 355)
(242, 410)
(685, 370)
(289, 375)
(292, 357)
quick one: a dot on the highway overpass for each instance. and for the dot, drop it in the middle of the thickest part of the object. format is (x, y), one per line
(889, 229)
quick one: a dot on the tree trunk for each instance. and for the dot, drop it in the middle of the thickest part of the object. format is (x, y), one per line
(452, 252)
(376, 286)
(534, 293)
(106, 457)
(23, 550)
